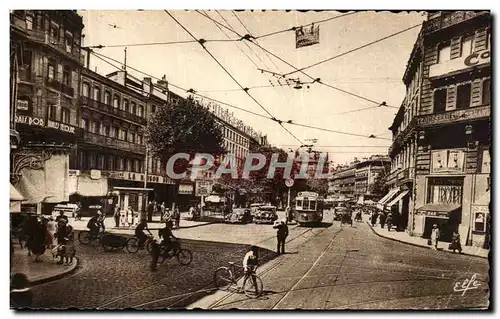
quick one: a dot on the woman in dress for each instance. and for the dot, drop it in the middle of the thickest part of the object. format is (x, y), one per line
(435, 236)
(51, 230)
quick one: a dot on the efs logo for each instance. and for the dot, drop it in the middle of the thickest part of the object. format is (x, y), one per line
(477, 58)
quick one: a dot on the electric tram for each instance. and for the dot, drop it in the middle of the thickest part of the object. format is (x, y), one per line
(308, 208)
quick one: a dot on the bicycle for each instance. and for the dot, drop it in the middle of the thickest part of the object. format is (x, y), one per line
(133, 246)
(184, 256)
(85, 237)
(224, 279)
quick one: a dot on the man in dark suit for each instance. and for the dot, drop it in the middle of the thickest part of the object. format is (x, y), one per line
(281, 235)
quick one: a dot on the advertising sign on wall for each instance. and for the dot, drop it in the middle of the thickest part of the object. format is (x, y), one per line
(448, 161)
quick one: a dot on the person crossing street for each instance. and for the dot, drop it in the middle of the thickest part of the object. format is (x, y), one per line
(281, 235)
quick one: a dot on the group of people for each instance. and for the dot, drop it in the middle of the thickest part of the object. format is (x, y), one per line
(50, 233)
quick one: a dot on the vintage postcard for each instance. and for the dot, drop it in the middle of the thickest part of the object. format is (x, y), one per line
(250, 159)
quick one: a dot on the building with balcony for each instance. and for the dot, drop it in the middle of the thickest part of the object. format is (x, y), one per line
(367, 171)
(45, 74)
(440, 155)
(343, 181)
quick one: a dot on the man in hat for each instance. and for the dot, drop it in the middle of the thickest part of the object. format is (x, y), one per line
(281, 235)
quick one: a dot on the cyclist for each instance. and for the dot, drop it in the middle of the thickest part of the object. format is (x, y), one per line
(140, 232)
(250, 263)
(166, 235)
(94, 225)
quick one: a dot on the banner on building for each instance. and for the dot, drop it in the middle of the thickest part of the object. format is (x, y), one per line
(185, 189)
(305, 37)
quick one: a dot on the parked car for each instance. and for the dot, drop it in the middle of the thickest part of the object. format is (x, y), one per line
(266, 215)
(340, 212)
(239, 215)
(68, 209)
(255, 207)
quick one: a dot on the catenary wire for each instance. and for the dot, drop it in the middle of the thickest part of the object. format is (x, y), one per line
(232, 77)
(303, 72)
(221, 102)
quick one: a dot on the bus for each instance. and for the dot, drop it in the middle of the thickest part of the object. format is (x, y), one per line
(308, 208)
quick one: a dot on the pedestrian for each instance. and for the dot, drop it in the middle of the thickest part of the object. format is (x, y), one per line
(61, 216)
(69, 251)
(281, 236)
(389, 221)
(288, 214)
(155, 254)
(63, 235)
(20, 293)
(150, 212)
(374, 218)
(435, 234)
(192, 213)
(130, 216)
(51, 230)
(162, 208)
(455, 242)
(38, 240)
(116, 216)
(176, 216)
(382, 220)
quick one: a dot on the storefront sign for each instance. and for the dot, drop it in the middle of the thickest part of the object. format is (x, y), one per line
(22, 105)
(61, 127)
(453, 65)
(185, 189)
(28, 120)
(436, 214)
(203, 188)
(460, 115)
(73, 172)
(448, 161)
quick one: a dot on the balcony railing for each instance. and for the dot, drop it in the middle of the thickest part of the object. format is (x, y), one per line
(408, 174)
(53, 83)
(110, 110)
(66, 89)
(109, 142)
(447, 19)
(44, 37)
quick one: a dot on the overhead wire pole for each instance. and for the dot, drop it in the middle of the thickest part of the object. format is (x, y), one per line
(231, 76)
(249, 38)
(101, 56)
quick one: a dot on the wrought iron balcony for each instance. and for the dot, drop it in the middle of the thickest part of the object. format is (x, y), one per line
(447, 19)
(110, 110)
(109, 142)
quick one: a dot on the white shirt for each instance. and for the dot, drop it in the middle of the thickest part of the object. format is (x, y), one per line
(245, 260)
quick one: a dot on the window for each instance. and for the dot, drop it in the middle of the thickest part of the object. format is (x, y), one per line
(51, 112)
(444, 52)
(463, 96)
(86, 89)
(440, 96)
(128, 166)
(66, 76)
(486, 92)
(85, 124)
(445, 191)
(133, 108)
(479, 222)
(131, 137)
(140, 167)
(97, 94)
(68, 42)
(29, 22)
(120, 163)
(123, 134)
(100, 162)
(116, 101)
(141, 111)
(132, 165)
(81, 160)
(51, 70)
(116, 131)
(107, 98)
(139, 139)
(106, 129)
(125, 105)
(65, 115)
(96, 128)
(110, 162)
(54, 31)
(467, 46)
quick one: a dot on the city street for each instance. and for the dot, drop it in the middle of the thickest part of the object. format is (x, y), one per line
(351, 268)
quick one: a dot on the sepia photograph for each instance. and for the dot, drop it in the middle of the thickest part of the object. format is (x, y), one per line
(220, 159)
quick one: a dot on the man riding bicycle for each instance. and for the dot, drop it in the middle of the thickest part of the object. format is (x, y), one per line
(95, 225)
(166, 236)
(140, 232)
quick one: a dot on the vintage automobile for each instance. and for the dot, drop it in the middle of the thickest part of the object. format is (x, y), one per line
(265, 215)
(68, 209)
(239, 215)
(340, 212)
(255, 207)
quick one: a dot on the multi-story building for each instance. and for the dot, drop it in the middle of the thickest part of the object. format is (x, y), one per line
(442, 133)
(45, 51)
(366, 174)
(344, 180)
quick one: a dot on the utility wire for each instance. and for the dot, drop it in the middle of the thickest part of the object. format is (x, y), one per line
(354, 50)
(315, 22)
(232, 77)
(248, 37)
(100, 46)
(228, 104)
(267, 55)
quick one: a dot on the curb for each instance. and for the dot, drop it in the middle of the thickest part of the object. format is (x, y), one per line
(421, 246)
(56, 277)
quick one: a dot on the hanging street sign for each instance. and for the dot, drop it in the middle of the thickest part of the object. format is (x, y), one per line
(305, 37)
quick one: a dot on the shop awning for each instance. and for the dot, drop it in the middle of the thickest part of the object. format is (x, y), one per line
(85, 186)
(388, 196)
(15, 195)
(397, 198)
(214, 199)
(444, 208)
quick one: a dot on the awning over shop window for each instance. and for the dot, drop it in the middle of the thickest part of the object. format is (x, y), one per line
(397, 198)
(15, 195)
(388, 196)
(444, 208)
(85, 186)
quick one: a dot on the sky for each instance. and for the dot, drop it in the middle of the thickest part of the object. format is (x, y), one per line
(374, 72)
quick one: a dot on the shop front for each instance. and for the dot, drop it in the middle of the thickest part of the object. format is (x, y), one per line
(447, 217)
(398, 206)
(91, 190)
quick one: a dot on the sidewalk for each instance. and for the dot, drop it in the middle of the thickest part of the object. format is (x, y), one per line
(403, 237)
(42, 272)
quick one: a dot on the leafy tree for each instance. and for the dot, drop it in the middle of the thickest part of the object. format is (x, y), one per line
(379, 188)
(183, 128)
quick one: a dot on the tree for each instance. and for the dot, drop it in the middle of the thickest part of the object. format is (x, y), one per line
(183, 128)
(379, 187)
